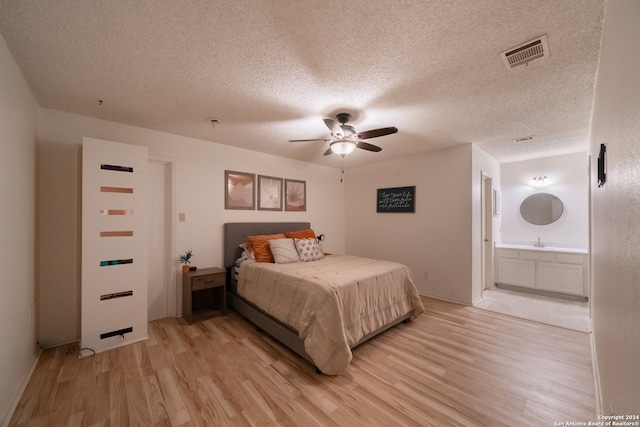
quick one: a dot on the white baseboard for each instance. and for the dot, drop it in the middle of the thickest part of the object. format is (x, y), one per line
(596, 373)
(444, 298)
(23, 386)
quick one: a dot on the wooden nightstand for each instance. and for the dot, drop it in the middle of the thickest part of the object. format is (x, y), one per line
(204, 294)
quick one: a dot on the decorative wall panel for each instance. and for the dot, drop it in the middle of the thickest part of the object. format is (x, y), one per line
(114, 245)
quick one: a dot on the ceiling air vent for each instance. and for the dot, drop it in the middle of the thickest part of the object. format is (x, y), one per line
(524, 138)
(526, 52)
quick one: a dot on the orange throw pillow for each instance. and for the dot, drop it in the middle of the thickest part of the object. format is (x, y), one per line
(260, 246)
(302, 234)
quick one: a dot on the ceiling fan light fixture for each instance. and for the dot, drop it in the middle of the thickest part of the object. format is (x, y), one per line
(343, 147)
(345, 139)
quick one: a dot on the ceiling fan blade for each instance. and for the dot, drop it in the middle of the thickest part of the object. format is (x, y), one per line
(368, 147)
(328, 152)
(374, 133)
(308, 140)
(333, 127)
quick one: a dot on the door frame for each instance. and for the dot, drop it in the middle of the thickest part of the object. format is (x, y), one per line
(169, 264)
(486, 233)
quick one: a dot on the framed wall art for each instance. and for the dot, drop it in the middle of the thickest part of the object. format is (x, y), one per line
(269, 193)
(398, 199)
(239, 190)
(295, 195)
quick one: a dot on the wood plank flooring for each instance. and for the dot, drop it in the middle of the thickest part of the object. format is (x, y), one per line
(453, 366)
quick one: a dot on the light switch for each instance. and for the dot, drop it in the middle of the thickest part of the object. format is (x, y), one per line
(182, 217)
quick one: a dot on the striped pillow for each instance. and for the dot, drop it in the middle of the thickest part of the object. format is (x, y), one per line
(284, 251)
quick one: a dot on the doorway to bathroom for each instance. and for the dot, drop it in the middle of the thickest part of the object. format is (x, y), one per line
(539, 259)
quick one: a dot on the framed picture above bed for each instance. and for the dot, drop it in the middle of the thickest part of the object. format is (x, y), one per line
(269, 193)
(239, 190)
(295, 195)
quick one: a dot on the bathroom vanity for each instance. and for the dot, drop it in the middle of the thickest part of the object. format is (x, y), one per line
(556, 270)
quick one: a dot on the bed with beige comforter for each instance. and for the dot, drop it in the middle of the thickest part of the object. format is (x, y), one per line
(332, 303)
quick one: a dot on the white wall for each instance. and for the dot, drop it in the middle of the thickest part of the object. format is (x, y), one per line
(199, 182)
(570, 183)
(616, 211)
(437, 238)
(18, 124)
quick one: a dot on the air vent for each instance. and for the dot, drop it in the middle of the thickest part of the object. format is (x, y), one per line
(524, 138)
(526, 52)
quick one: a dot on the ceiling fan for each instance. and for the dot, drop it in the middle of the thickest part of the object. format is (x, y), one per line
(344, 138)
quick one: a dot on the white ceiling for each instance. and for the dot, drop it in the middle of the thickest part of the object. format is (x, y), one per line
(272, 70)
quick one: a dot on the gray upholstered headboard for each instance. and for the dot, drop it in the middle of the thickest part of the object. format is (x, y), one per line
(235, 233)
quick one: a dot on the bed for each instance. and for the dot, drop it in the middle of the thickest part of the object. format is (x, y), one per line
(320, 309)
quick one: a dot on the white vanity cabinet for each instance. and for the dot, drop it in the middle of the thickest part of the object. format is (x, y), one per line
(543, 269)
(515, 271)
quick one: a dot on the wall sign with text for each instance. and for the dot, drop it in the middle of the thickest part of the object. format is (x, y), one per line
(398, 199)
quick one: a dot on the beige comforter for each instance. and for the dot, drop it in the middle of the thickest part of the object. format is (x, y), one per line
(332, 302)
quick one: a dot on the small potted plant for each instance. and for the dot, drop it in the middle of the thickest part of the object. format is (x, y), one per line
(186, 260)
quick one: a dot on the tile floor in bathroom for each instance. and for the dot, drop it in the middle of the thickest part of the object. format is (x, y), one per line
(540, 308)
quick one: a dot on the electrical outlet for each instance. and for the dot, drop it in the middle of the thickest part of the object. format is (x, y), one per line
(426, 274)
(182, 217)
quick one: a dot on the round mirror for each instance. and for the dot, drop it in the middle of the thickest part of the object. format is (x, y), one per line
(541, 208)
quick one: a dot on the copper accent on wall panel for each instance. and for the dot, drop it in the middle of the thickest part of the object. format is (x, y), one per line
(116, 190)
(116, 233)
(113, 211)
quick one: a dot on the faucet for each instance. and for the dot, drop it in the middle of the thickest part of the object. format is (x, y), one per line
(539, 244)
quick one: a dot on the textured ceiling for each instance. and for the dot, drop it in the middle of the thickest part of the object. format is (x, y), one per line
(272, 70)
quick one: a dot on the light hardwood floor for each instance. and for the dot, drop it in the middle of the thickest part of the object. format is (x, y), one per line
(453, 366)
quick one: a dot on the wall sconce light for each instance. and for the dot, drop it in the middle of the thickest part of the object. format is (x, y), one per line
(320, 238)
(540, 181)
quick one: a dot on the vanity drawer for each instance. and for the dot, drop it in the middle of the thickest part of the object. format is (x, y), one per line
(536, 256)
(570, 258)
(507, 253)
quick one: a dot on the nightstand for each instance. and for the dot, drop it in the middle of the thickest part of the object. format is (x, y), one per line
(204, 294)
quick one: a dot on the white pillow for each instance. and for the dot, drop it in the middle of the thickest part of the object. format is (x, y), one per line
(284, 251)
(308, 250)
(246, 253)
